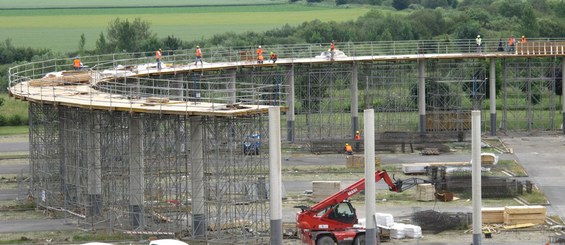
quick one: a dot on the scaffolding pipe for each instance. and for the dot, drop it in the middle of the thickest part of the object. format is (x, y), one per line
(197, 181)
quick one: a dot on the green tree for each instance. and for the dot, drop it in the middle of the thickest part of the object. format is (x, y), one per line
(124, 35)
(400, 4)
(81, 42)
(101, 45)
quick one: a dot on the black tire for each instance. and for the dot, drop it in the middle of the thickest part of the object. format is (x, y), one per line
(325, 240)
(359, 240)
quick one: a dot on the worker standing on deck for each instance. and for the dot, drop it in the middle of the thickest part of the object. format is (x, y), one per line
(479, 42)
(274, 57)
(511, 43)
(158, 56)
(198, 56)
(259, 53)
(348, 149)
(523, 39)
(77, 64)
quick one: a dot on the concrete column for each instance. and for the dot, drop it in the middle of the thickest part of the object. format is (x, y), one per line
(275, 175)
(563, 94)
(369, 127)
(476, 176)
(354, 99)
(231, 87)
(94, 187)
(196, 154)
(136, 172)
(492, 96)
(422, 95)
(290, 103)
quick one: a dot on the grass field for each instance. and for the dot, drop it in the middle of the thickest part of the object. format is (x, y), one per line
(10, 4)
(60, 29)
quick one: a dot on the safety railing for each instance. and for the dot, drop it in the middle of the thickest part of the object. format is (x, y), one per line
(114, 66)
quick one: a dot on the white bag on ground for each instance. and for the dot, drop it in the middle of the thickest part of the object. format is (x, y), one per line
(413, 231)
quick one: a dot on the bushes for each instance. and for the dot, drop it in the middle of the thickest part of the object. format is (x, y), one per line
(13, 120)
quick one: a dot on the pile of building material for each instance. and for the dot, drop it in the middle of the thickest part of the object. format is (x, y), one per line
(514, 215)
(425, 192)
(323, 189)
(385, 222)
(61, 79)
(421, 168)
(430, 151)
(358, 161)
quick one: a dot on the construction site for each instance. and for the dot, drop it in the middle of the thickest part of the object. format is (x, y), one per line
(183, 151)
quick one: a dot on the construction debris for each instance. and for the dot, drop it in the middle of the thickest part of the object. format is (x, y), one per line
(430, 151)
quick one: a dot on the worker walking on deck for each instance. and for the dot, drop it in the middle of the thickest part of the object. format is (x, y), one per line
(158, 56)
(348, 149)
(77, 64)
(198, 56)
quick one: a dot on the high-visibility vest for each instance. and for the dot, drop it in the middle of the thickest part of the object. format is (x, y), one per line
(198, 52)
(357, 137)
(523, 40)
(348, 148)
(158, 54)
(511, 41)
(76, 63)
(259, 51)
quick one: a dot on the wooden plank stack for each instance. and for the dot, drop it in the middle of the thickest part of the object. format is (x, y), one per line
(358, 161)
(425, 192)
(323, 189)
(493, 215)
(524, 214)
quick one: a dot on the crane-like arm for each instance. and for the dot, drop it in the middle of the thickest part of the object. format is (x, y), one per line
(355, 188)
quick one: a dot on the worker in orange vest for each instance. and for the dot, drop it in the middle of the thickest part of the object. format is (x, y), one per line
(523, 39)
(158, 56)
(511, 43)
(77, 64)
(198, 56)
(259, 53)
(357, 140)
(348, 149)
(274, 57)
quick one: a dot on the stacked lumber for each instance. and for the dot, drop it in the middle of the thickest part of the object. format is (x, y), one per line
(60, 80)
(358, 161)
(524, 215)
(489, 158)
(323, 189)
(157, 100)
(425, 192)
(493, 215)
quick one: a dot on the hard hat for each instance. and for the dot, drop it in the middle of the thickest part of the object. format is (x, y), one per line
(522, 36)
(357, 131)
(346, 144)
(160, 49)
(271, 52)
(259, 46)
(478, 35)
(197, 46)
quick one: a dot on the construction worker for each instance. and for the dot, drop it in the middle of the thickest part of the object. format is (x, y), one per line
(523, 39)
(259, 53)
(348, 149)
(511, 43)
(479, 42)
(332, 48)
(357, 140)
(158, 56)
(260, 59)
(274, 57)
(198, 56)
(77, 64)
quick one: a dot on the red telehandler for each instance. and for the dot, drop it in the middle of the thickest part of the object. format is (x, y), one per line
(332, 220)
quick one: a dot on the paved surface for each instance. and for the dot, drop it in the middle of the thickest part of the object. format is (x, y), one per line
(14, 147)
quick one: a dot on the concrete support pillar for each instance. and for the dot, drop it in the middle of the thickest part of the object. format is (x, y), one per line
(422, 95)
(197, 181)
(290, 103)
(354, 99)
(275, 175)
(231, 87)
(94, 162)
(476, 176)
(369, 127)
(492, 96)
(136, 172)
(563, 93)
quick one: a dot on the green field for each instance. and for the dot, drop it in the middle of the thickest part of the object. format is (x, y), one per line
(60, 29)
(11, 4)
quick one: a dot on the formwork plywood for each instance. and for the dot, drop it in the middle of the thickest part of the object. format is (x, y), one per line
(525, 209)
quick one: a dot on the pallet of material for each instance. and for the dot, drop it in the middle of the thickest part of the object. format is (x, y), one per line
(493, 215)
(524, 214)
(323, 189)
(425, 192)
(358, 161)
